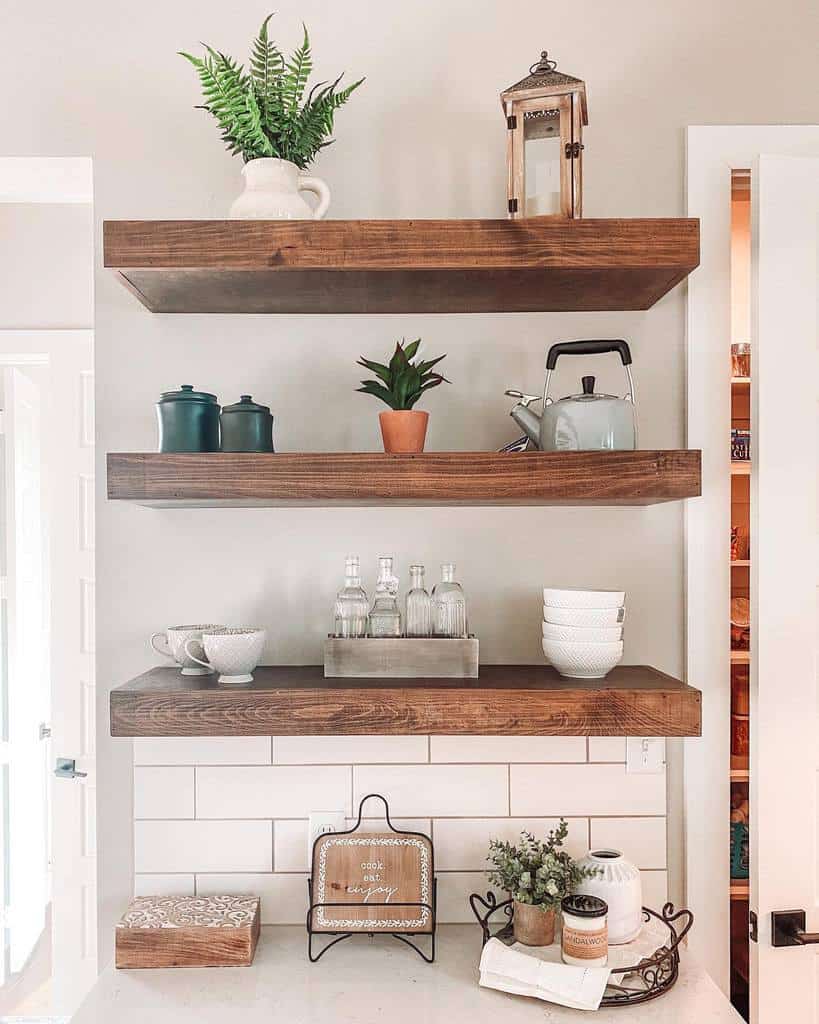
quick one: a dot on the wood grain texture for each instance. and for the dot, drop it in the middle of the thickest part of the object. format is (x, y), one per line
(400, 266)
(186, 944)
(432, 478)
(510, 700)
(380, 869)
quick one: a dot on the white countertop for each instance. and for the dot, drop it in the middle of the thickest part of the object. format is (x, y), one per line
(364, 981)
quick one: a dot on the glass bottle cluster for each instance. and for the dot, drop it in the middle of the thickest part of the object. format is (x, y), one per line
(441, 613)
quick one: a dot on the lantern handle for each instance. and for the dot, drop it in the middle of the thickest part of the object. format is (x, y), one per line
(544, 65)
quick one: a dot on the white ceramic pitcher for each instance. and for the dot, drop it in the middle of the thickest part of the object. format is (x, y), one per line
(272, 192)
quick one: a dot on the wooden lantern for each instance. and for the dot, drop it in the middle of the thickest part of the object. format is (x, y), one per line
(545, 114)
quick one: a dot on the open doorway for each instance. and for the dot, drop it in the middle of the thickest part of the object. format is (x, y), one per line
(47, 812)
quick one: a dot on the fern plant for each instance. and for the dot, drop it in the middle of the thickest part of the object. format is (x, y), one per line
(259, 111)
(401, 382)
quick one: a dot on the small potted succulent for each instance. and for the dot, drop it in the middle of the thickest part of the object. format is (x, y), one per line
(262, 114)
(400, 384)
(537, 875)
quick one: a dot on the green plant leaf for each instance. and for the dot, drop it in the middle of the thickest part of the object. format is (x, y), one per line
(412, 348)
(377, 368)
(371, 387)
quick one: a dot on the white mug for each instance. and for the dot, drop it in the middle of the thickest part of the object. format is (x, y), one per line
(232, 651)
(174, 639)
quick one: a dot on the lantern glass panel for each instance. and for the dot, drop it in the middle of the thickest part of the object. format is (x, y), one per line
(541, 137)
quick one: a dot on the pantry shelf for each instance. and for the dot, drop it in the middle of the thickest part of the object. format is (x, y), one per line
(202, 479)
(400, 266)
(514, 700)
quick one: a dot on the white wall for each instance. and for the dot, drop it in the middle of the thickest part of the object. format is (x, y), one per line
(423, 137)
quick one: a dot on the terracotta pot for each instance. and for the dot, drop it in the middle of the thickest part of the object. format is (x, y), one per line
(533, 926)
(403, 430)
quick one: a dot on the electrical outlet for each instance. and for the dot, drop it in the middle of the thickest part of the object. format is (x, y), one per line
(322, 822)
(645, 755)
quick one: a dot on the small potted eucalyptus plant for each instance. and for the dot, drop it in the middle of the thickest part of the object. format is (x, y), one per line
(262, 114)
(537, 875)
(400, 384)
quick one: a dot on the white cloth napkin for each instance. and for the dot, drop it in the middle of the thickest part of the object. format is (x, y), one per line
(509, 970)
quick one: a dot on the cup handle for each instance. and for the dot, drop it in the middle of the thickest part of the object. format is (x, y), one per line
(166, 653)
(205, 664)
(319, 188)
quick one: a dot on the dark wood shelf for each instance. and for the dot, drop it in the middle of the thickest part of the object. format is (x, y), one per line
(400, 266)
(513, 700)
(188, 480)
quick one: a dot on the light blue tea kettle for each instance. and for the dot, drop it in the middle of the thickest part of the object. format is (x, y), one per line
(584, 422)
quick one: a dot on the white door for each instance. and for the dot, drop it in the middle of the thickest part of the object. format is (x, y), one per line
(71, 484)
(25, 697)
(784, 578)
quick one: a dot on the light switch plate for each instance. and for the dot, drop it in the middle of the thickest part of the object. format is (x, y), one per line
(322, 822)
(645, 755)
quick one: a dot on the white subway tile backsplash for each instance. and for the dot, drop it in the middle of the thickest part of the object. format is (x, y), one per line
(461, 844)
(477, 749)
(349, 749)
(271, 792)
(454, 890)
(640, 840)
(189, 846)
(283, 897)
(290, 838)
(163, 793)
(164, 885)
(202, 750)
(607, 748)
(584, 789)
(437, 790)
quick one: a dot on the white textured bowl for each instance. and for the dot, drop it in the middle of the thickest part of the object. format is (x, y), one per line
(596, 617)
(572, 598)
(583, 661)
(582, 634)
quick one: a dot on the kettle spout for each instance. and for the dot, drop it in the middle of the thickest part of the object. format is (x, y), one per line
(525, 418)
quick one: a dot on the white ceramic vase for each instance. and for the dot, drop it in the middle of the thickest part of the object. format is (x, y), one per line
(618, 883)
(272, 192)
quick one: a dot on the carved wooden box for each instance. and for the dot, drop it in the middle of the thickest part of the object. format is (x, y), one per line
(188, 931)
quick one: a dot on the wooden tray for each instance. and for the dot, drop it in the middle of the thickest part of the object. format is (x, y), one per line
(401, 658)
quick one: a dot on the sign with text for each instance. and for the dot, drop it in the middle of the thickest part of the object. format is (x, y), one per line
(361, 880)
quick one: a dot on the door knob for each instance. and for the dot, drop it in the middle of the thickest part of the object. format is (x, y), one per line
(67, 769)
(788, 929)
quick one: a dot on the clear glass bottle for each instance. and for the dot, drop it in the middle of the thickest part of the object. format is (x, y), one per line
(352, 604)
(448, 605)
(418, 618)
(385, 616)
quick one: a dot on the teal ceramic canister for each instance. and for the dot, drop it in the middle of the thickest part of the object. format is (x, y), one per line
(188, 421)
(247, 427)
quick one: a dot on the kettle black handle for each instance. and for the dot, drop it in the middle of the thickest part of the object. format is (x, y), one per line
(587, 348)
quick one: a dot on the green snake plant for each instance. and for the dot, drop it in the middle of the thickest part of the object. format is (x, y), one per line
(401, 382)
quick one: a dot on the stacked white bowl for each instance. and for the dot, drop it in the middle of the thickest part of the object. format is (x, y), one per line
(583, 631)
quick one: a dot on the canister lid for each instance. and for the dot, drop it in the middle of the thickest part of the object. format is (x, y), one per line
(187, 394)
(584, 906)
(246, 404)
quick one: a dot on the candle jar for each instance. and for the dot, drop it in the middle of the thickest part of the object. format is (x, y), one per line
(585, 939)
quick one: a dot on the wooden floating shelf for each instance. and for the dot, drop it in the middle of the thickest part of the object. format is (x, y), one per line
(741, 563)
(740, 657)
(539, 264)
(510, 700)
(189, 480)
(740, 469)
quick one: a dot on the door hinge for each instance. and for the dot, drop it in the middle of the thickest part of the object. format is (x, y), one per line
(513, 206)
(511, 122)
(573, 150)
(753, 934)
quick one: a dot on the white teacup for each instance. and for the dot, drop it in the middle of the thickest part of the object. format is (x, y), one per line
(232, 651)
(174, 639)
